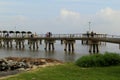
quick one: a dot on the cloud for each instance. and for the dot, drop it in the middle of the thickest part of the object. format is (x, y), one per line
(109, 13)
(107, 21)
(69, 19)
(69, 14)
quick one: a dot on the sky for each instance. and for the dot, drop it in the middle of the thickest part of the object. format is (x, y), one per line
(61, 16)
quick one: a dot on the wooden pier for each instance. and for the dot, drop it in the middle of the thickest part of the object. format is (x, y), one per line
(34, 41)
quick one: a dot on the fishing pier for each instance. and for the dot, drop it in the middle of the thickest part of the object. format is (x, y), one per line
(18, 40)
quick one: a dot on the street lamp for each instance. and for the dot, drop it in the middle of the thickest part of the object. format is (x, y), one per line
(15, 28)
(89, 26)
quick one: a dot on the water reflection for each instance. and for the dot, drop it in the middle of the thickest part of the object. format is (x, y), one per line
(49, 54)
(58, 53)
(33, 53)
(69, 56)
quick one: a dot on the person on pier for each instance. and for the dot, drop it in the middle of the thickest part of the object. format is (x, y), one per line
(92, 34)
(48, 34)
(88, 34)
(32, 35)
(7, 35)
(93, 44)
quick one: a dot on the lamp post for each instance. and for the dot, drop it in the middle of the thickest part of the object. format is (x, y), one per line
(15, 32)
(15, 28)
(89, 26)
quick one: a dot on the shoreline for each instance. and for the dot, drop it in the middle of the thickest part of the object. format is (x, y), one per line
(34, 63)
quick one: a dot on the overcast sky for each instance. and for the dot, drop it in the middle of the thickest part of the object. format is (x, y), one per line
(61, 16)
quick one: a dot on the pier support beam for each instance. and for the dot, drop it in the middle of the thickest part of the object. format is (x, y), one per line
(94, 47)
(40, 42)
(20, 44)
(49, 45)
(7, 43)
(33, 44)
(69, 45)
(0, 43)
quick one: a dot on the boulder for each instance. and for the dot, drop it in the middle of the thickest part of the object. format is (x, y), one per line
(15, 63)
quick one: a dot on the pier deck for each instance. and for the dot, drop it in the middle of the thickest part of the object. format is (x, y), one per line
(67, 39)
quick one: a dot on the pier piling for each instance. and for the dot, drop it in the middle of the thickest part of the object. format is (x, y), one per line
(69, 45)
(49, 45)
(94, 47)
(33, 44)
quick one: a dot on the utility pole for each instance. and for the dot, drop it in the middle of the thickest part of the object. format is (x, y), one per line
(89, 26)
(15, 32)
(15, 28)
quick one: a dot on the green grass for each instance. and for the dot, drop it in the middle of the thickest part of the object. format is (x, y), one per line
(99, 60)
(70, 71)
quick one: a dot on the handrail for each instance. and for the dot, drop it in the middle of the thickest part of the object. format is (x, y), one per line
(78, 35)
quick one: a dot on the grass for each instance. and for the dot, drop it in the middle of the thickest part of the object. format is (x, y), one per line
(69, 71)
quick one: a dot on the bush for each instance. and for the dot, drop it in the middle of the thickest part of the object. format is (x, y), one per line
(111, 59)
(99, 60)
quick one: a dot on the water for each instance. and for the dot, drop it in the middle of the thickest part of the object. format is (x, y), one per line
(59, 53)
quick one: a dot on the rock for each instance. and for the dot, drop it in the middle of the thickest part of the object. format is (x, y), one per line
(29, 65)
(21, 69)
(3, 66)
(15, 63)
(43, 61)
(34, 67)
(12, 64)
(4, 60)
(22, 65)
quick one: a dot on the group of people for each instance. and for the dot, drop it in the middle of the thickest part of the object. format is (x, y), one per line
(48, 34)
(7, 35)
(33, 35)
(90, 34)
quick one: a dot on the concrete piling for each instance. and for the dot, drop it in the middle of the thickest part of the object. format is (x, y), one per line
(49, 45)
(94, 47)
(0, 43)
(69, 45)
(19, 44)
(7, 43)
(33, 44)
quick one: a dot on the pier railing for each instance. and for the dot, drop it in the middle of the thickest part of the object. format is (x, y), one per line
(77, 35)
(112, 36)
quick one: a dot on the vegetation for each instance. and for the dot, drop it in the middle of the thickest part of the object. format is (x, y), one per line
(99, 60)
(70, 71)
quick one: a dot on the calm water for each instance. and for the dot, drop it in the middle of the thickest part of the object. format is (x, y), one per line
(59, 53)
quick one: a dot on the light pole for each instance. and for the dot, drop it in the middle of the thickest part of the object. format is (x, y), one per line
(89, 26)
(15, 28)
(15, 32)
